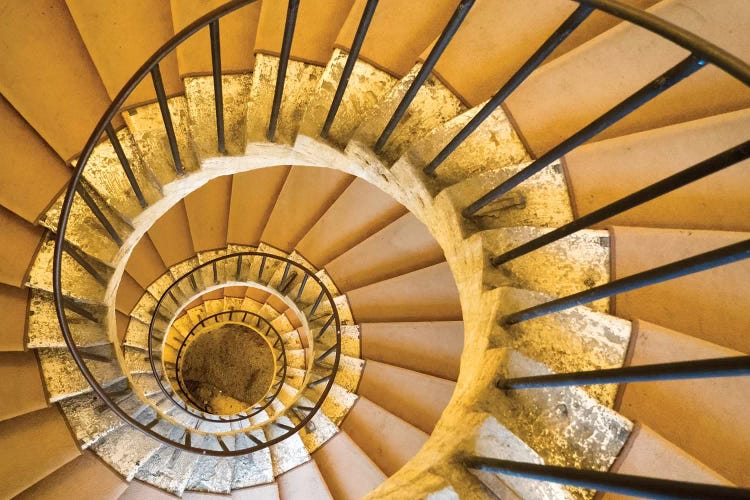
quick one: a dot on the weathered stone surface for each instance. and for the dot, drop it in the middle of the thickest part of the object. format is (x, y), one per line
(288, 453)
(576, 339)
(492, 440)
(540, 201)
(433, 105)
(126, 449)
(89, 417)
(336, 405)
(84, 231)
(492, 145)
(147, 127)
(318, 430)
(199, 92)
(77, 282)
(63, 378)
(300, 83)
(575, 263)
(105, 173)
(212, 474)
(367, 86)
(168, 468)
(350, 340)
(254, 468)
(43, 328)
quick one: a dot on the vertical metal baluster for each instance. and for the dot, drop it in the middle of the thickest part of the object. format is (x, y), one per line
(216, 273)
(239, 267)
(442, 42)
(283, 276)
(565, 29)
(301, 287)
(697, 263)
(707, 167)
(161, 97)
(112, 135)
(359, 38)
(91, 203)
(679, 72)
(286, 48)
(213, 29)
(262, 266)
(317, 302)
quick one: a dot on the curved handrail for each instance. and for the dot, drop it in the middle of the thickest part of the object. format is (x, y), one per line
(66, 208)
(680, 36)
(192, 332)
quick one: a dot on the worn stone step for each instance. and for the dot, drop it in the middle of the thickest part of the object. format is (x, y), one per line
(199, 92)
(572, 264)
(86, 323)
(63, 378)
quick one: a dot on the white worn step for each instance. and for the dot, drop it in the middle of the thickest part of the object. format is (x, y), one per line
(43, 328)
(213, 474)
(63, 378)
(572, 340)
(90, 419)
(336, 405)
(288, 453)
(563, 425)
(254, 468)
(318, 430)
(199, 92)
(169, 468)
(126, 449)
(567, 266)
(490, 439)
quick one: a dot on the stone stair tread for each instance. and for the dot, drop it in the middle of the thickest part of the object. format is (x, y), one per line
(63, 378)
(371, 85)
(91, 420)
(571, 340)
(493, 144)
(147, 128)
(77, 283)
(288, 453)
(105, 173)
(541, 201)
(433, 105)
(199, 92)
(575, 263)
(126, 448)
(43, 329)
(301, 79)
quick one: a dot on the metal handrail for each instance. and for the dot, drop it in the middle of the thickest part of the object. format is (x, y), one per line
(151, 67)
(193, 331)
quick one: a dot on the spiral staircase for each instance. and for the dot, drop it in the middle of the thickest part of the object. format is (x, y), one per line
(482, 249)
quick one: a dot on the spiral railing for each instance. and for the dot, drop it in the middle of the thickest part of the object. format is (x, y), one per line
(700, 53)
(226, 317)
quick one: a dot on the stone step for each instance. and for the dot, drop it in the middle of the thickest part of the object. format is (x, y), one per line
(342, 453)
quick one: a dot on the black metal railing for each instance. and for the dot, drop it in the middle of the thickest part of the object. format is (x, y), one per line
(701, 54)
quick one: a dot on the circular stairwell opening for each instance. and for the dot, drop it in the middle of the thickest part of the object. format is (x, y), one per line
(228, 369)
